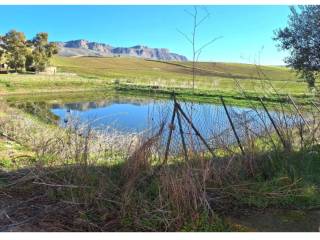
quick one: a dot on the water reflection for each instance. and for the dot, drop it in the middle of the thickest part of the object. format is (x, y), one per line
(132, 115)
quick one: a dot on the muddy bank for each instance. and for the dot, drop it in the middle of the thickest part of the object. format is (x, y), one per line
(278, 220)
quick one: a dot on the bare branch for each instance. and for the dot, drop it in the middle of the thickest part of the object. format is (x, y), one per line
(185, 36)
(208, 43)
(192, 38)
(188, 12)
(202, 20)
(198, 55)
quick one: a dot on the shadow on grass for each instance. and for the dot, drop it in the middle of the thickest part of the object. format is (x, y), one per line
(126, 197)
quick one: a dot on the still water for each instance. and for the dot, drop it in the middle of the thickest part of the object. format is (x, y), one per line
(134, 115)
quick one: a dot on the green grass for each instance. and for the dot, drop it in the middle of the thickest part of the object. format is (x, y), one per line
(13, 154)
(134, 67)
(93, 74)
(210, 76)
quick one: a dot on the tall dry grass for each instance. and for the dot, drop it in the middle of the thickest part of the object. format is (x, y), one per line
(105, 181)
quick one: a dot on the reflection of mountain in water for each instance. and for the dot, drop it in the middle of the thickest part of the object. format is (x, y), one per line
(135, 114)
(83, 106)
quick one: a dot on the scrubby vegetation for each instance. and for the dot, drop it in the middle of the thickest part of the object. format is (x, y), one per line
(76, 180)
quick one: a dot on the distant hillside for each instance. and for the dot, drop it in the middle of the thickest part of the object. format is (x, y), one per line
(210, 76)
(150, 69)
(86, 48)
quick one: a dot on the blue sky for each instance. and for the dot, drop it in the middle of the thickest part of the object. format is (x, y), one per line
(245, 30)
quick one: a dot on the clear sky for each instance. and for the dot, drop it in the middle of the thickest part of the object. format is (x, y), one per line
(245, 30)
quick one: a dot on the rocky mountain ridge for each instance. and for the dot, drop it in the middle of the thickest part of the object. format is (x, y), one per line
(85, 48)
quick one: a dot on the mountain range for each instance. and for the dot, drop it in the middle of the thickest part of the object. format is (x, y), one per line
(85, 48)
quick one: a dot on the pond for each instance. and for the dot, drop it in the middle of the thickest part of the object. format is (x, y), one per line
(126, 115)
(138, 114)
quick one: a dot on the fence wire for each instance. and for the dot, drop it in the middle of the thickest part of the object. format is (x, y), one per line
(206, 128)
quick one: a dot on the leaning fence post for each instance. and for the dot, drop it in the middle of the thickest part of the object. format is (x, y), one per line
(232, 126)
(182, 137)
(171, 127)
(195, 129)
(274, 124)
(315, 105)
(300, 114)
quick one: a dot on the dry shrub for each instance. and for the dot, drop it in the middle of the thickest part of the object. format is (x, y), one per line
(137, 167)
(185, 187)
(78, 144)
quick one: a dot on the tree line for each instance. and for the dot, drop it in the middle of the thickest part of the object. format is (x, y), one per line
(20, 54)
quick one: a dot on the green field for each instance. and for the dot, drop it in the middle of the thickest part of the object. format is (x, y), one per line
(77, 74)
(209, 75)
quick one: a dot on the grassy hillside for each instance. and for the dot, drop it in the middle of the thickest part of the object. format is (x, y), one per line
(212, 79)
(134, 67)
(210, 76)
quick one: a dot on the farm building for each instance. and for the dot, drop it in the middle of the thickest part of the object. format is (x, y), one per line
(3, 67)
(49, 70)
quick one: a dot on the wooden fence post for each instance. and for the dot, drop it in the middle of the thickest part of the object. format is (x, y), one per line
(232, 126)
(273, 124)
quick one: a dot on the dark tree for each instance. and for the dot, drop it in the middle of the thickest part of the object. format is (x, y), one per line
(302, 39)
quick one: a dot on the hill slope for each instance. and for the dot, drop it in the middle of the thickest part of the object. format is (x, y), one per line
(93, 75)
(131, 67)
(210, 76)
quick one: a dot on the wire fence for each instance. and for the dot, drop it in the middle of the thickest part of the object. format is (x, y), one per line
(191, 129)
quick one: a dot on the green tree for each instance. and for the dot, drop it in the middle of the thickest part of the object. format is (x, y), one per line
(2, 51)
(15, 48)
(41, 53)
(2, 54)
(301, 38)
